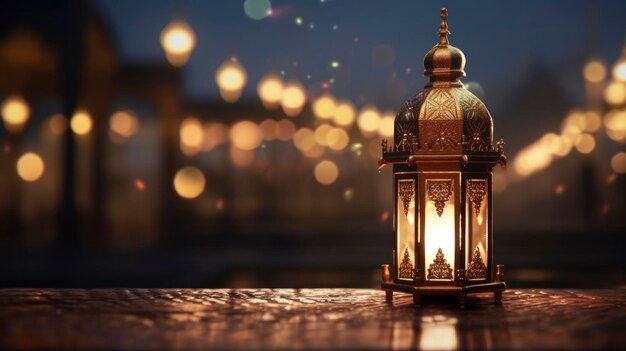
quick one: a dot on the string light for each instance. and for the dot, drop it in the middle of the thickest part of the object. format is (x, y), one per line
(178, 41)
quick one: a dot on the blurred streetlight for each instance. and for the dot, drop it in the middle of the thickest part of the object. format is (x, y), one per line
(178, 40)
(81, 122)
(30, 167)
(293, 99)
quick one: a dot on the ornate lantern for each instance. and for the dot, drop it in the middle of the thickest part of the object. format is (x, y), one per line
(443, 156)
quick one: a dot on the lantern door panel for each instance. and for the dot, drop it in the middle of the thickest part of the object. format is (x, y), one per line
(405, 228)
(439, 229)
(477, 228)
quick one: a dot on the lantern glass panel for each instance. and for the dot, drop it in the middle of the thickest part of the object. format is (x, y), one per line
(439, 229)
(405, 212)
(476, 213)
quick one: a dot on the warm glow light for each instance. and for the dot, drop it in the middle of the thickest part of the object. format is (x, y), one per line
(293, 99)
(30, 167)
(439, 231)
(246, 135)
(124, 123)
(615, 120)
(231, 77)
(326, 172)
(586, 144)
(386, 125)
(189, 182)
(324, 107)
(345, 114)
(615, 93)
(270, 90)
(191, 133)
(594, 71)
(81, 122)
(15, 113)
(337, 139)
(618, 162)
(178, 40)
(619, 71)
(58, 124)
(369, 121)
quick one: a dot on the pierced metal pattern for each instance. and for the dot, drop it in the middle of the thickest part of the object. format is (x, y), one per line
(476, 191)
(440, 105)
(406, 119)
(477, 123)
(440, 268)
(439, 192)
(406, 191)
(477, 268)
(406, 267)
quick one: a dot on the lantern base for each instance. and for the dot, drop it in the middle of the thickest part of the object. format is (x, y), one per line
(460, 292)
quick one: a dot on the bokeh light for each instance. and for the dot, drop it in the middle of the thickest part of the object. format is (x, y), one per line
(15, 113)
(586, 143)
(285, 129)
(30, 167)
(326, 172)
(619, 71)
(594, 71)
(189, 182)
(246, 135)
(337, 139)
(324, 106)
(386, 124)
(268, 129)
(270, 90)
(321, 132)
(241, 158)
(58, 124)
(304, 139)
(231, 78)
(257, 9)
(345, 114)
(615, 93)
(618, 162)
(191, 135)
(81, 122)
(369, 121)
(178, 40)
(293, 99)
(124, 123)
(215, 133)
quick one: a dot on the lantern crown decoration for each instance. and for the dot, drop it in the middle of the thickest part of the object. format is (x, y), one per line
(443, 155)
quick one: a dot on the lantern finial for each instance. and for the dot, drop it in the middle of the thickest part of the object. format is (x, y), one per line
(443, 28)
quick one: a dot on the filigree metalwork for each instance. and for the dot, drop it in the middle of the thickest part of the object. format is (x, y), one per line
(477, 123)
(406, 267)
(440, 105)
(439, 192)
(476, 191)
(406, 119)
(440, 268)
(406, 192)
(477, 268)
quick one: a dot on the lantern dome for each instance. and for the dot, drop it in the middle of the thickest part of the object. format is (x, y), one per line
(444, 116)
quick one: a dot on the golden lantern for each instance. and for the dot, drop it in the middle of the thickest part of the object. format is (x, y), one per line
(443, 156)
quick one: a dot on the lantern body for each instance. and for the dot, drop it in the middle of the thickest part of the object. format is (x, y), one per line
(443, 157)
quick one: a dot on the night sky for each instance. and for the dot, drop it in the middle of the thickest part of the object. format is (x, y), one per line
(501, 40)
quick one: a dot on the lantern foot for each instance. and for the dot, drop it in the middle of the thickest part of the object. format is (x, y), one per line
(388, 295)
(419, 292)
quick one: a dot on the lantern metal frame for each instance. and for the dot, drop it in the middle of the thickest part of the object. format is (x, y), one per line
(458, 149)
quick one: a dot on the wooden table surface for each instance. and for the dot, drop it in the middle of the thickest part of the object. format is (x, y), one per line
(306, 319)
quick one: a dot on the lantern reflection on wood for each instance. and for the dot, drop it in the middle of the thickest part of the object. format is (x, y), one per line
(443, 156)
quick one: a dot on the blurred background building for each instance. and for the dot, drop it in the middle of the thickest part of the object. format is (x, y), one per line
(235, 143)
